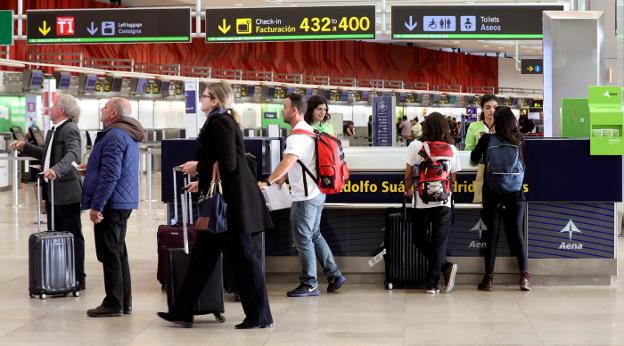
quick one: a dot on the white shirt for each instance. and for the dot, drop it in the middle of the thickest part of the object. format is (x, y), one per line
(46, 162)
(302, 146)
(413, 159)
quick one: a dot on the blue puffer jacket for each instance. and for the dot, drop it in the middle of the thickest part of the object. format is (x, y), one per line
(112, 179)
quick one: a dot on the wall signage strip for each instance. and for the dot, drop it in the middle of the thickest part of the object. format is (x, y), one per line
(290, 23)
(469, 22)
(124, 25)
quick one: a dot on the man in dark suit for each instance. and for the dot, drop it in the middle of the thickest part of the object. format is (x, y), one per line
(62, 147)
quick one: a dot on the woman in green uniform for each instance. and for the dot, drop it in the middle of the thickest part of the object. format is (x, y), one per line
(317, 115)
(486, 120)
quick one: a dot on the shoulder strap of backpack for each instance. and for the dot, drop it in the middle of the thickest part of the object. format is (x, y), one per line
(305, 169)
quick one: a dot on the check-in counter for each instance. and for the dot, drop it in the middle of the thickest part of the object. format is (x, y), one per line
(570, 224)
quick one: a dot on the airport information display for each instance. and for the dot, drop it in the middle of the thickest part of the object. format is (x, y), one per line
(290, 23)
(469, 22)
(123, 25)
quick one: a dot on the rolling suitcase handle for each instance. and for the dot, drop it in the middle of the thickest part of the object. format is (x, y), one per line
(39, 177)
(184, 220)
(175, 194)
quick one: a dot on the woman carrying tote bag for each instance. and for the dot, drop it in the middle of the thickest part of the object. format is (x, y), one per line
(221, 140)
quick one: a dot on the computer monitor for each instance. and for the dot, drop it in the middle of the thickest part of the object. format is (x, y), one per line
(63, 79)
(33, 79)
(365, 95)
(164, 88)
(344, 95)
(88, 82)
(36, 135)
(251, 90)
(116, 84)
(402, 97)
(309, 93)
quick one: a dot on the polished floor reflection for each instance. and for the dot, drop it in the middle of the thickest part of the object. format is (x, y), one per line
(358, 315)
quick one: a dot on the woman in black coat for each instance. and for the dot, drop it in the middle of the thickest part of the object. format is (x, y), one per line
(221, 140)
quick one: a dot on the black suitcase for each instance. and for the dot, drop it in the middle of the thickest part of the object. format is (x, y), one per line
(406, 266)
(171, 236)
(51, 263)
(211, 299)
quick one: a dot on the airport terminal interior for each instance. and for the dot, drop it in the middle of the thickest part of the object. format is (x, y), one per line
(382, 67)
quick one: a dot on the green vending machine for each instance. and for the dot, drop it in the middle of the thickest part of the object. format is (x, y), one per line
(575, 118)
(606, 120)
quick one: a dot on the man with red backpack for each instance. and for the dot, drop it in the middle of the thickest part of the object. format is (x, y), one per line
(308, 193)
(431, 163)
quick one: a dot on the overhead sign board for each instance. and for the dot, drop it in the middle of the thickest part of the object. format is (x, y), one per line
(290, 23)
(532, 66)
(120, 25)
(515, 22)
(6, 28)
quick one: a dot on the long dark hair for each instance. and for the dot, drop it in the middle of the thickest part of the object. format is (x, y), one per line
(484, 99)
(314, 102)
(506, 125)
(436, 129)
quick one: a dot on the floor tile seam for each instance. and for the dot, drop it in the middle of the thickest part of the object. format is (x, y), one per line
(539, 336)
(32, 320)
(142, 331)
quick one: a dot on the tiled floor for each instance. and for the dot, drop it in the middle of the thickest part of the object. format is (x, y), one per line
(358, 315)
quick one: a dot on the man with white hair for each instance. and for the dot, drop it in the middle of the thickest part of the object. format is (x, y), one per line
(61, 148)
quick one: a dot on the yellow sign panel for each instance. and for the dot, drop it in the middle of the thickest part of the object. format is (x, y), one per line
(243, 26)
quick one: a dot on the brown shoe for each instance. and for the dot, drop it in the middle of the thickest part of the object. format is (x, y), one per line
(525, 281)
(486, 284)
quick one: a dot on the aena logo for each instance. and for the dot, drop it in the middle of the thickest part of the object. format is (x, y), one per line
(570, 228)
(478, 227)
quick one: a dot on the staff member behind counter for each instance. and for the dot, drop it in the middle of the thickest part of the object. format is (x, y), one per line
(485, 123)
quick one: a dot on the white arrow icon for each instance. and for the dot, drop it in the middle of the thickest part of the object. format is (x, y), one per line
(606, 94)
(570, 228)
(411, 25)
(479, 227)
(92, 29)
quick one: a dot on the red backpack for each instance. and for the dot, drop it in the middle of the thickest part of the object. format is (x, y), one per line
(434, 172)
(331, 168)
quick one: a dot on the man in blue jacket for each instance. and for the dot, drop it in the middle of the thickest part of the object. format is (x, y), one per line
(110, 192)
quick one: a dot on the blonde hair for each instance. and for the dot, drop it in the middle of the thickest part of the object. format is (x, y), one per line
(224, 93)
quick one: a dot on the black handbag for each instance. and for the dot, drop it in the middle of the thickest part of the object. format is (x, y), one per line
(212, 206)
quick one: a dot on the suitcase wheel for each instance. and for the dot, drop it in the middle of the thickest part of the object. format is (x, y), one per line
(389, 286)
(219, 317)
(76, 294)
(43, 296)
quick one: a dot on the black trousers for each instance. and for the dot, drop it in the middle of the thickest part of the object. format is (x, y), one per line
(504, 210)
(246, 273)
(434, 248)
(110, 249)
(67, 219)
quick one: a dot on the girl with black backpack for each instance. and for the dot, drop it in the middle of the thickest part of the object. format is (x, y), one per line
(503, 198)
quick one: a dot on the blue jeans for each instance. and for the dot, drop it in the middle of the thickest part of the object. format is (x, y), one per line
(305, 219)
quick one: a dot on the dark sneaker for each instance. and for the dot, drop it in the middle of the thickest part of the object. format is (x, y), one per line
(450, 271)
(335, 282)
(304, 290)
(103, 311)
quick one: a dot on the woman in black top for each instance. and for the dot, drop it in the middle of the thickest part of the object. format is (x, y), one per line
(506, 207)
(221, 140)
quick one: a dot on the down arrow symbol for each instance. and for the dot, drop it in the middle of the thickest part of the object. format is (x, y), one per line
(92, 29)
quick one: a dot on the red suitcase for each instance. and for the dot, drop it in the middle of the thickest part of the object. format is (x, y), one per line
(171, 236)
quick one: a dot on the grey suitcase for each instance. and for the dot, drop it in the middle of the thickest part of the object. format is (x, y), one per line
(51, 264)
